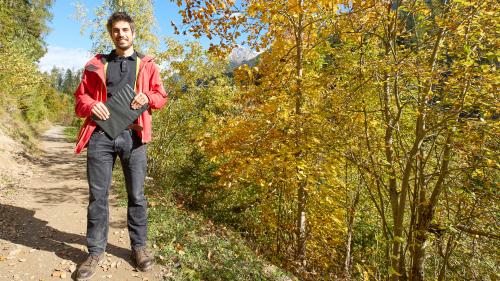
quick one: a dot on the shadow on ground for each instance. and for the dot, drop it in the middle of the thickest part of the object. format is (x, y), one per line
(20, 226)
(64, 181)
(60, 165)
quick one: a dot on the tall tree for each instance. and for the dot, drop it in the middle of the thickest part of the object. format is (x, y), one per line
(23, 25)
(417, 87)
(140, 10)
(400, 93)
(292, 30)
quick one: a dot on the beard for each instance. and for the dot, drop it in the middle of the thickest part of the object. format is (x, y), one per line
(123, 46)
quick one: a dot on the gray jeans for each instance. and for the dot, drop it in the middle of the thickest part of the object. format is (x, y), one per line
(101, 156)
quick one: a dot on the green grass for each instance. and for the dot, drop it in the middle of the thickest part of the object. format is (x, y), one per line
(194, 248)
(70, 133)
(118, 185)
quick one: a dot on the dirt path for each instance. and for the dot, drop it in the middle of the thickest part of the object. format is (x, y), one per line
(43, 221)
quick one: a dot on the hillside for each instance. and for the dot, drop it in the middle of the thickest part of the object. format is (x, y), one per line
(43, 209)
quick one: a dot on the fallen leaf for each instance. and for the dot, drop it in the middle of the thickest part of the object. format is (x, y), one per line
(56, 273)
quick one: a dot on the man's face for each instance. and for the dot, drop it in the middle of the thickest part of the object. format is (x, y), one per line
(122, 35)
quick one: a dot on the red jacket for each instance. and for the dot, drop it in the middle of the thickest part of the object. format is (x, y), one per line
(92, 89)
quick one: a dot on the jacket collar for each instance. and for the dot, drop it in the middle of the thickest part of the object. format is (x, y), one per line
(96, 64)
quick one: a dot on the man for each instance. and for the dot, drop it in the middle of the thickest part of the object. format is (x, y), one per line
(103, 76)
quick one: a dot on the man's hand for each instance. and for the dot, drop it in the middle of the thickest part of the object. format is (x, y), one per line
(139, 100)
(101, 111)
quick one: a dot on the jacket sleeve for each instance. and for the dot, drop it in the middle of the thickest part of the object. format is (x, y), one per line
(83, 100)
(156, 94)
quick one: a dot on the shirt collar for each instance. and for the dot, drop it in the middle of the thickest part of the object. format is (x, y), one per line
(114, 57)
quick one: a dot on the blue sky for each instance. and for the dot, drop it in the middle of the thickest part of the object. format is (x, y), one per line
(67, 48)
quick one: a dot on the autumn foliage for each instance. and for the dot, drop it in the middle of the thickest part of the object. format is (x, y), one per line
(362, 145)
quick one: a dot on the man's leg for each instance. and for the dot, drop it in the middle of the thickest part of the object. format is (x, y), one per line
(100, 160)
(133, 160)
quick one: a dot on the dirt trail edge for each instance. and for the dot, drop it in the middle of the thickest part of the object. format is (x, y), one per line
(43, 221)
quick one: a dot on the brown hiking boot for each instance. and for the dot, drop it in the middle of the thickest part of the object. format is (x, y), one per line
(142, 258)
(88, 268)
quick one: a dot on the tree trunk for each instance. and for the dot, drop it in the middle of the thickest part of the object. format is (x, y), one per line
(426, 213)
(350, 225)
(301, 226)
(301, 194)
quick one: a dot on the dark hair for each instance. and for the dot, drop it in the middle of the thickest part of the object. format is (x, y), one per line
(120, 16)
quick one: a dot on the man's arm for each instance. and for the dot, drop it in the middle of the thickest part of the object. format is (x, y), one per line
(83, 101)
(156, 95)
(85, 105)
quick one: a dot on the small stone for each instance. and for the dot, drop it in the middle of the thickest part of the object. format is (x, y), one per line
(21, 260)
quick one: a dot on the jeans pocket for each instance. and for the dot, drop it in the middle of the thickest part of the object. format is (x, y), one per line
(94, 137)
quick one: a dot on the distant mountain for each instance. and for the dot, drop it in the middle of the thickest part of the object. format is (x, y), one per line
(241, 55)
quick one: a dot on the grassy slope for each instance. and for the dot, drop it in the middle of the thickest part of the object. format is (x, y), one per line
(192, 246)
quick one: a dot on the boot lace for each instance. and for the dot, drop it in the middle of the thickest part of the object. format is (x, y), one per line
(142, 252)
(92, 259)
